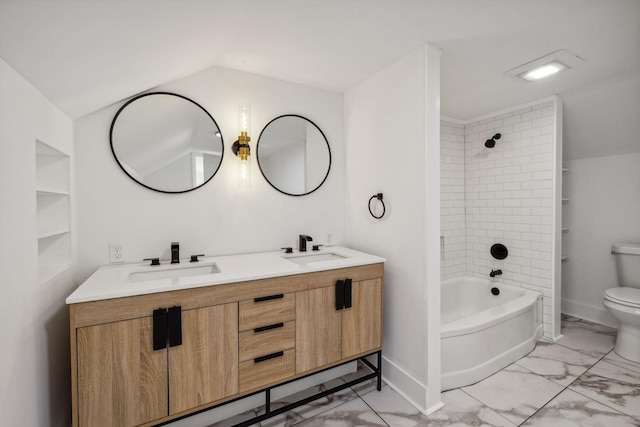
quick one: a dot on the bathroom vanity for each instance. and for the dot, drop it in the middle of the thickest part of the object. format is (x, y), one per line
(150, 344)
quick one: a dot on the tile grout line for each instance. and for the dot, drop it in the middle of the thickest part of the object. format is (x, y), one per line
(602, 359)
(568, 385)
(357, 396)
(554, 382)
(370, 407)
(375, 412)
(486, 406)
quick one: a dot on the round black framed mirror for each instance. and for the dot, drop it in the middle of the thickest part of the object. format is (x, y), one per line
(293, 155)
(166, 142)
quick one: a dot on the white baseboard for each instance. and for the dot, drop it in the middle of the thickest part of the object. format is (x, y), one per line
(405, 384)
(591, 313)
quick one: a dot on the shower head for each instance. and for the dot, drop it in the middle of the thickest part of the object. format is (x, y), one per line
(490, 143)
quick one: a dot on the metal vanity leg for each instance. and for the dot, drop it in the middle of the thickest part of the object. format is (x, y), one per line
(267, 404)
(379, 370)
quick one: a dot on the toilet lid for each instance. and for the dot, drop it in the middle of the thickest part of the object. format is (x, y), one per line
(624, 295)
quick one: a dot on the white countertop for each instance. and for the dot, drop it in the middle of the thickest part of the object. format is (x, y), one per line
(114, 281)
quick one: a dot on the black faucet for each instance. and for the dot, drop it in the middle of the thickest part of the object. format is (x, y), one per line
(495, 273)
(175, 253)
(303, 242)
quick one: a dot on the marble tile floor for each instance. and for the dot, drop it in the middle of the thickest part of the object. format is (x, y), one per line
(578, 381)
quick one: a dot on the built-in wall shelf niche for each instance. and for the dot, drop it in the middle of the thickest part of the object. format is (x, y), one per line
(53, 210)
(565, 200)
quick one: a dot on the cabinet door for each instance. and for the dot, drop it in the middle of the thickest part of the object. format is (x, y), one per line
(362, 323)
(121, 380)
(318, 329)
(205, 367)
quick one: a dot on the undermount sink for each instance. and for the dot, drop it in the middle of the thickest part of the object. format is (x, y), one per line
(306, 259)
(172, 272)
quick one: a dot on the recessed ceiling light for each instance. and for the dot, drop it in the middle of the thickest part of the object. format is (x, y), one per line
(546, 66)
(543, 71)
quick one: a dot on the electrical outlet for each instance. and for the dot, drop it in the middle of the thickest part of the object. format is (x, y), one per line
(116, 252)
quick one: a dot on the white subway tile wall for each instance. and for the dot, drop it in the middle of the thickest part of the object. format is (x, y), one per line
(508, 198)
(452, 227)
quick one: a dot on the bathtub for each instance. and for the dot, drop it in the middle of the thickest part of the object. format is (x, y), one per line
(482, 333)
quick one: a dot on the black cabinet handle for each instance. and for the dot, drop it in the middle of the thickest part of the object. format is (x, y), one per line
(159, 329)
(347, 293)
(344, 294)
(339, 294)
(268, 327)
(175, 326)
(268, 357)
(268, 298)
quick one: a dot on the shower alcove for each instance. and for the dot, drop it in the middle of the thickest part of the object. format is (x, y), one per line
(509, 193)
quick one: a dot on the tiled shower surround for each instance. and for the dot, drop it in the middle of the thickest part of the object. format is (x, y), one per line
(452, 222)
(508, 198)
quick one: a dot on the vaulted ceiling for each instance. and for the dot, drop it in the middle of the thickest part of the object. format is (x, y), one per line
(85, 55)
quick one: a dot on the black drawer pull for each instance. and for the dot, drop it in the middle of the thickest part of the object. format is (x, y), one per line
(268, 357)
(160, 322)
(268, 298)
(347, 293)
(339, 294)
(268, 327)
(175, 326)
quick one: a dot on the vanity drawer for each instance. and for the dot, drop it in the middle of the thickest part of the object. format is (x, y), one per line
(267, 369)
(267, 310)
(257, 342)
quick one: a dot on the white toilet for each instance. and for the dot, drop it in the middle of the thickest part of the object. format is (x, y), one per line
(623, 302)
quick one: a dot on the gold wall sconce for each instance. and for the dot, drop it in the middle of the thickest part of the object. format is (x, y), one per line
(241, 147)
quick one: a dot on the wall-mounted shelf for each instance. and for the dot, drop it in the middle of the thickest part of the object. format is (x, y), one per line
(565, 200)
(52, 192)
(53, 233)
(53, 211)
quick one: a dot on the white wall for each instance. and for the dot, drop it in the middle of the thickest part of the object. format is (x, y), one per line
(603, 208)
(218, 218)
(452, 214)
(509, 193)
(602, 119)
(602, 153)
(386, 153)
(34, 321)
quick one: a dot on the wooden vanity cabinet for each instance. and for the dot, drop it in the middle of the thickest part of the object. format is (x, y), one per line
(267, 340)
(204, 368)
(327, 334)
(362, 322)
(123, 381)
(236, 339)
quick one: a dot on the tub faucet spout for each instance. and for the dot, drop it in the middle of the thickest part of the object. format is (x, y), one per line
(495, 273)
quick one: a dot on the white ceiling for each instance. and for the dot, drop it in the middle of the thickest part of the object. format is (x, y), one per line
(87, 54)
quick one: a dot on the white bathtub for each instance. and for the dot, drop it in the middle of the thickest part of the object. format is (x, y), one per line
(482, 333)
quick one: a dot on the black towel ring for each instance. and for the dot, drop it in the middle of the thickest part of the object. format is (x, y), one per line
(384, 209)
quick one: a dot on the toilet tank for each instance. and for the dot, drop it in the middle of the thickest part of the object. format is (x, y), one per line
(627, 256)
